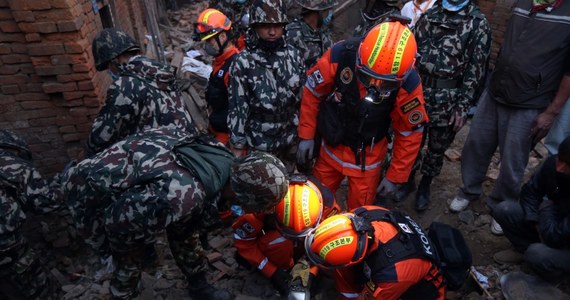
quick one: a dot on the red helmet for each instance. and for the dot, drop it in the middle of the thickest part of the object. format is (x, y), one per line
(336, 242)
(300, 210)
(211, 22)
(386, 56)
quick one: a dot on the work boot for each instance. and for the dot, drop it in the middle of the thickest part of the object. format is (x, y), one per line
(422, 197)
(509, 256)
(406, 188)
(199, 288)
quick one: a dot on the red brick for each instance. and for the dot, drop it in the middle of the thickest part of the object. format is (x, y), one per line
(82, 68)
(73, 77)
(42, 122)
(54, 15)
(34, 114)
(27, 69)
(56, 87)
(34, 87)
(38, 27)
(74, 25)
(31, 97)
(47, 70)
(27, 105)
(78, 111)
(9, 26)
(5, 48)
(71, 137)
(6, 14)
(77, 95)
(62, 3)
(76, 46)
(91, 102)
(13, 79)
(29, 4)
(9, 69)
(68, 59)
(71, 103)
(49, 48)
(23, 16)
(15, 58)
(63, 36)
(41, 60)
(86, 85)
(12, 37)
(33, 37)
(10, 89)
(19, 48)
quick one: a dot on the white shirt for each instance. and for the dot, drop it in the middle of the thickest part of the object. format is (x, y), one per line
(414, 10)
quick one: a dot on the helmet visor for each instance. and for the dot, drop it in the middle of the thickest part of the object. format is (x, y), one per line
(383, 84)
(203, 32)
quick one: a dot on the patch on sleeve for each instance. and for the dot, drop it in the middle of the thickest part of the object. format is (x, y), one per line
(311, 81)
(415, 117)
(318, 76)
(245, 230)
(408, 106)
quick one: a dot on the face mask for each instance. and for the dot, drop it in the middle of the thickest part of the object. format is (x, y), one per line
(328, 19)
(114, 76)
(211, 50)
(240, 2)
(453, 7)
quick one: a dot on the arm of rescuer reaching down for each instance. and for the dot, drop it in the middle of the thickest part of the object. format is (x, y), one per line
(409, 118)
(247, 229)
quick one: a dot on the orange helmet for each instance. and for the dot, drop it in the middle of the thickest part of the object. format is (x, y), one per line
(386, 56)
(339, 241)
(300, 210)
(211, 22)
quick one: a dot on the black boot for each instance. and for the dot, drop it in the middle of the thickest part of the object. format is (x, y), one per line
(422, 197)
(406, 188)
(199, 288)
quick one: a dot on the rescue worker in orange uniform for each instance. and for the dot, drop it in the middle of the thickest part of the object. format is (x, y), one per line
(356, 91)
(214, 28)
(376, 254)
(272, 242)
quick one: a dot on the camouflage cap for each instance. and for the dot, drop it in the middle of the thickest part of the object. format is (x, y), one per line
(110, 43)
(11, 140)
(316, 4)
(268, 11)
(259, 180)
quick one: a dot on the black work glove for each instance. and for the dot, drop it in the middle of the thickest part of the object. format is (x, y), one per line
(280, 280)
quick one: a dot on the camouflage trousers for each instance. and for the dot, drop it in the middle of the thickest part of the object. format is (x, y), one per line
(186, 248)
(438, 140)
(21, 274)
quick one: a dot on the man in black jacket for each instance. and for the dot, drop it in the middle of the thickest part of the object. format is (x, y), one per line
(538, 225)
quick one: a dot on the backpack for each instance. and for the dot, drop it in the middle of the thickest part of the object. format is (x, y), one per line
(453, 252)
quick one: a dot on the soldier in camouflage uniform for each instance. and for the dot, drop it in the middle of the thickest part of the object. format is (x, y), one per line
(21, 188)
(309, 33)
(371, 14)
(266, 81)
(159, 181)
(143, 93)
(454, 43)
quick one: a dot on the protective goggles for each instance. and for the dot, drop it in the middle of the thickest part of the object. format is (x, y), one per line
(382, 83)
(203, 32)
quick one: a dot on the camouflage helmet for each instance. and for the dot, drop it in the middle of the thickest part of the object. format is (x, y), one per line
(110, 43)
(268, 11)
(259, 181)
(10, 140)
(316, 4)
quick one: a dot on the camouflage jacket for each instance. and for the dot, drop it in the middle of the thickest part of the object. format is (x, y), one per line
(139, 173)
(311, 43)
(265, 94)
(23, 188)
(453, 46)
(144, 96)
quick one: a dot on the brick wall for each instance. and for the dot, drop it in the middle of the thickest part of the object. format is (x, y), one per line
(49, 88)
